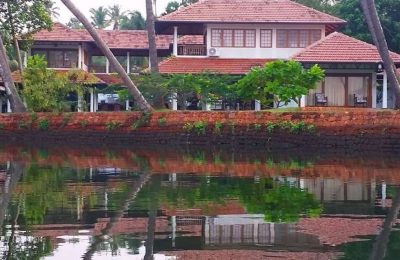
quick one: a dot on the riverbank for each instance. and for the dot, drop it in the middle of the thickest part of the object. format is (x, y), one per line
(312, 127)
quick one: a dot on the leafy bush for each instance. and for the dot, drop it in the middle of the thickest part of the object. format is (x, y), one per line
(162, 121)
(110, 126)
(200, 127)
(43, 124)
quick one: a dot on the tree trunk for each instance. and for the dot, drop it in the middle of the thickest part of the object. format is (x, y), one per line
(15, 40)
(5, 72)
(375, 27)
(137, 95)
(381, 243)
(151, 32)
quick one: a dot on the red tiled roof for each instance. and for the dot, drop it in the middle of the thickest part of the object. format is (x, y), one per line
(109, 79)
(338, 47)
(191, 39)
(198, 65)
(250, 11)
(121, 39)
(87, 78)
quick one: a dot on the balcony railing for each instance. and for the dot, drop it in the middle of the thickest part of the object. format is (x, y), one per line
(192, 50)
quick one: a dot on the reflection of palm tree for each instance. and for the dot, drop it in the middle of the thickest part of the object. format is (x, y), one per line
(380, 246)
(116, 16)
(99, 17)
(119, 214)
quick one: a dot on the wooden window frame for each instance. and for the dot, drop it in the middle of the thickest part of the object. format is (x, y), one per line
(244, 45)
(272, 38)
(47, 51)
(286, 32)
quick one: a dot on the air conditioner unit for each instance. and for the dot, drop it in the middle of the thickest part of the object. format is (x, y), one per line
(213, 52)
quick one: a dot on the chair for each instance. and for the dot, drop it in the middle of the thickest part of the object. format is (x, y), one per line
(321, 99)
(360, 100)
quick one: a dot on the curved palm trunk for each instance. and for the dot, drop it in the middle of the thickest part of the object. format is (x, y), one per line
(15, 40)
(151, 32)
(375, 27)
(15, 99)
(143, 104)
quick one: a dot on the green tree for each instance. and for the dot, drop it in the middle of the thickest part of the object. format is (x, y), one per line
(116, 15)
(44, 89)
(100, 17)
(279, 82)
(23, 17)
(171, 7)
(326, 6)
(75, 24)
(133, 21)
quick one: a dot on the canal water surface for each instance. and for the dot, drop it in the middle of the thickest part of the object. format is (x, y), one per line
(181, 203)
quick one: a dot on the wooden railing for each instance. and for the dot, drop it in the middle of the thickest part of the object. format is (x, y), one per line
(192, 50)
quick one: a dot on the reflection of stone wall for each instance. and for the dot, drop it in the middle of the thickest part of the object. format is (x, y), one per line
(366, 127)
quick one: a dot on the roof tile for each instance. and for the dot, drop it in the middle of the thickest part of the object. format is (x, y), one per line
(250, 11)
(198, 65)
(340, 48)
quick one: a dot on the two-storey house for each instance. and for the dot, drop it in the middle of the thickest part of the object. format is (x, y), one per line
(238, 35)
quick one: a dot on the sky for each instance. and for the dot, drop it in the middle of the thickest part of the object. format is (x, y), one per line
(85, 5)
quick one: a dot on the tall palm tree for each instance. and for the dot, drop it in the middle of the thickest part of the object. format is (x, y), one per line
(99, 17)
(142, 103)
(116, 16)
(52, 9)
(75, 24)
(133, 21)
(5, 73)
(375, 27)
(152, 37)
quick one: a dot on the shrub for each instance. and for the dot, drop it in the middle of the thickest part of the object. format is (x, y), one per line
(200, 127)
(188, 127)
(83, 123)
(43, 124)
(218, 127)
(270, 127)
(162, 121)
(110, 126)
(142, 121)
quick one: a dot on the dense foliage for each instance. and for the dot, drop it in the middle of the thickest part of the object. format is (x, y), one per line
(350, 11)
(279, 82)
(46, 90)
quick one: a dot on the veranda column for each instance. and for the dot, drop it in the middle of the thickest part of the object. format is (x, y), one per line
(80, 103)
(303, 101)
(174, 101)
(107, 66)
(91, 100)
(385, 90)
(8, 106)
(383, 191)
(80, 58)
(127, 105)
(128, 62)
(175, 49)
(257, 105)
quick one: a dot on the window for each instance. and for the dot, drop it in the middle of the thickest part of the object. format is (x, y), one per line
(227, 38)
(266, 38)
(239, 38)
(250, 40)
(59, 58)
(216, 38)
(297, 38)
(233, 38)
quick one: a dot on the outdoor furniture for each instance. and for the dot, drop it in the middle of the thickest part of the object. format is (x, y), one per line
(321, 99)
(360, 100)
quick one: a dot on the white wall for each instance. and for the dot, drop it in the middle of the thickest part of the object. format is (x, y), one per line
(258, 52)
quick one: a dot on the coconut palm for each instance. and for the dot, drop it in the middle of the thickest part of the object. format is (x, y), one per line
(375, 27)
(75, 24)
(152, 37)
(133, 21)
(52, 9)
(116, 15)
(5, 73)
(100, 17)
(142, 103)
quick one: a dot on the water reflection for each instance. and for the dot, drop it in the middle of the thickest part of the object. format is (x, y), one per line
(196, 204)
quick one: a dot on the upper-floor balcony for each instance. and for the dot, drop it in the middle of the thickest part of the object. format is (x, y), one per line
(192, 50)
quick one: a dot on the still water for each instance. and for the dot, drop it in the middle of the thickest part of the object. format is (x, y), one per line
(181, 203)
